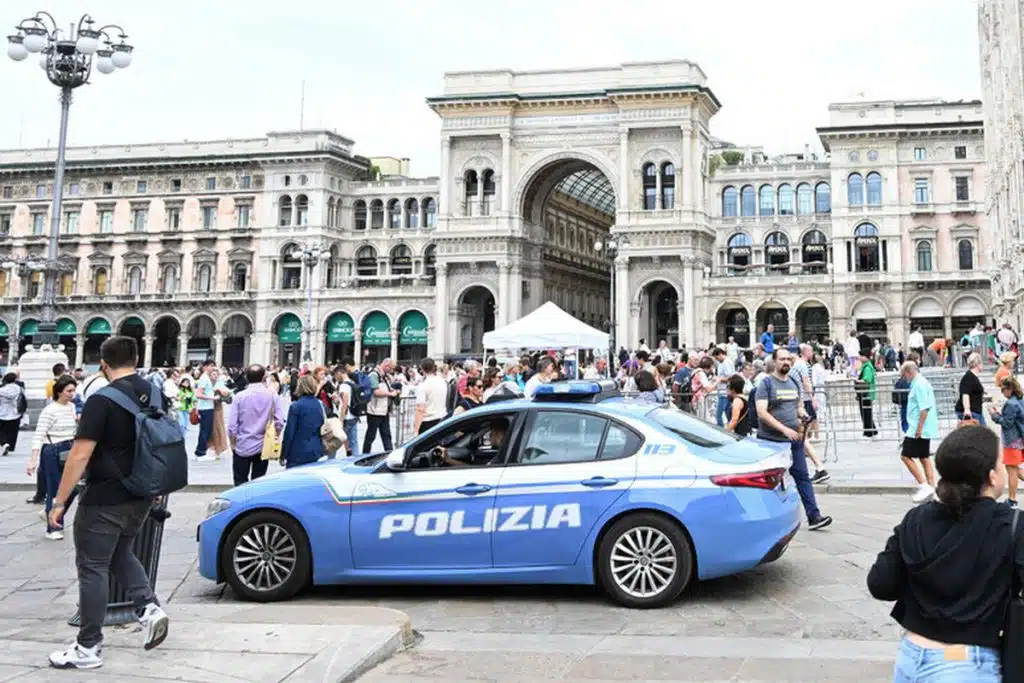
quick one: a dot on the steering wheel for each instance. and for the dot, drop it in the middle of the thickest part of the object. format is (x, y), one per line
(532, 452)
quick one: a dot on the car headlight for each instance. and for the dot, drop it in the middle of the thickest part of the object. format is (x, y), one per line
(217, 505)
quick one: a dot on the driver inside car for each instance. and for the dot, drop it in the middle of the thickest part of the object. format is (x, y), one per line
(498, 431)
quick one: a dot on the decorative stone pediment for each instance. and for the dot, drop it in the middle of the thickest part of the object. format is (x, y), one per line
(204, 256)
(99, 258)
(135, 258)
(169, 257)
(238, 255)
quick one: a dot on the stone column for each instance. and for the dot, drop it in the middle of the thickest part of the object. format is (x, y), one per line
(622, 201)
(621, 302)
(681, 309)
(403, 211)
(218, 349)
(947, 323)
(444, 194)
(515, 292)
(394, 343)
(387, 217)
(504, 293)
(357, 339)
(479, 201)
(689, 174)
(657, 188)
(182, 350)
(689, 320)
(147, 358)
(633, 335)
(506, 173)
(79, 350)
(440, 341)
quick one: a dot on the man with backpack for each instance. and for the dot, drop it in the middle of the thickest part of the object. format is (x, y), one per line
(130, 452)
(379, 408)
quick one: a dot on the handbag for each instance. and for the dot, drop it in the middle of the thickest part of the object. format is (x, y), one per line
(271, 446)
(332, 432)
(1013, 627)
(22, 403)
(193, 416)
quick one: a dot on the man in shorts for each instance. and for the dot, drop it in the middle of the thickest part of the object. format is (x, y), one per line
(922, 427)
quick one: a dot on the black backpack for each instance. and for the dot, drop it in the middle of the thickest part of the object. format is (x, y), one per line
(752, 410)
(452, 399)
(160, 462)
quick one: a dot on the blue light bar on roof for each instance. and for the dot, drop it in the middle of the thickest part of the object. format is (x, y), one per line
(576, 389)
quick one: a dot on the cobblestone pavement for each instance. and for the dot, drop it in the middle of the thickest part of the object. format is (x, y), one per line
(807, 617)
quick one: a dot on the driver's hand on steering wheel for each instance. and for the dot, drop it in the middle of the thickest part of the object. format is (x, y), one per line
(441, 458)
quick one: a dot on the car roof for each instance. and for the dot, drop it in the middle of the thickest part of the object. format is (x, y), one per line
(618, 405)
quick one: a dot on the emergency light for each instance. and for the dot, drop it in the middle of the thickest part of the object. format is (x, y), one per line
(580, 391)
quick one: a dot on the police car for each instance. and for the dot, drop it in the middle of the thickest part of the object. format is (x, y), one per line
(577, 486)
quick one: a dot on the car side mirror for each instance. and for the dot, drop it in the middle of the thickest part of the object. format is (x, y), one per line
(396, 459)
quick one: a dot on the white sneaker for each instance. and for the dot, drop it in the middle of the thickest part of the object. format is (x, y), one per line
(205, 458)
(155, 622)
(924, 493)
(5, 449)
(55, 535)
(77, 657)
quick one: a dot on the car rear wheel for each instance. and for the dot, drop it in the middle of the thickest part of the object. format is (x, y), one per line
(645, 561)
(266, 557)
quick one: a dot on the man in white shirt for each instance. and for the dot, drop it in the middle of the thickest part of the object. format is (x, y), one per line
(596, 371)
(916, 342)
(545, 371)
(431, 398)
(852, 349)
(732, 350)
(664, 353)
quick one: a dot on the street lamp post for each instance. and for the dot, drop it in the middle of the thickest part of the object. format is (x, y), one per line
(310, 255)
(610, 247)
(67, 59)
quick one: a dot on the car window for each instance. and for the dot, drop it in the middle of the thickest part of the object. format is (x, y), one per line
(561, 437)
(468, 439)
(691, 429)
(619, 442)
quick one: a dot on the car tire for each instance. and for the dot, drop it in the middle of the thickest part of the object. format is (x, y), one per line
(266, 557)
(645, 561)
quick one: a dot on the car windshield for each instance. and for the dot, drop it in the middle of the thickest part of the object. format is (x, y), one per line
(693, 430)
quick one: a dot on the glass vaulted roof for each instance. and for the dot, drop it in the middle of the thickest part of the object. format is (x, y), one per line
(590, 187)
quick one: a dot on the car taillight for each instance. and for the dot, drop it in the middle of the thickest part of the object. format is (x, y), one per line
(768, 479)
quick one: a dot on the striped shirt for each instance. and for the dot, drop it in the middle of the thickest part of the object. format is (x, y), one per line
(56, 423)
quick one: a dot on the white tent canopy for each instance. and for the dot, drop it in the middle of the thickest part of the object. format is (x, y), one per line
(548, 327)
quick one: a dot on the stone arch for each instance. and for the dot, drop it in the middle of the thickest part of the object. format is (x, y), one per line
(90, 318)
(231, 314)
(812, 300)
(361, 317)
(812, 319)
(658, 156)
(490, 287)
(283, 312)
(925, 297)
(533, 173)
(874, 299)
(659, 299)
(964, 297)
(196, 316)
(123, 319)
(479, 162)
(638, 292)
(733, 318)
(419, 309)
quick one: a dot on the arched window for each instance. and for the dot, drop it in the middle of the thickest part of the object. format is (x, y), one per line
(965, 250)
(135, 280)
(767, 203)
(401, 260)
(333, 267)
(204, 280)
(239, 275)
(740, 251)
(284, 211)
(360, 215)
(412, 214)
(804, 199)
(67, 284)
(169, 280)
(430, 261)
(488, 181)
(302, 210)
(730, 202)
(376, 214)
(330, 212)
(865, 239)
(748, 201)
(99, 281)
(924, 256)
(472, 185)
(855, 190)
(822, 198)
(776, 248)
(291, 268)
(650, 173)
(874, 182)
(668, 186)
(786, 198)
(394, 214)
(366, 262)
(814, 249)
(429, 213)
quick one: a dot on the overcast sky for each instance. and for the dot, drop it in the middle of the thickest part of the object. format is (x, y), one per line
(208, 69)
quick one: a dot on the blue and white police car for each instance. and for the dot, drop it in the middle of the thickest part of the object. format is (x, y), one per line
(577, 486)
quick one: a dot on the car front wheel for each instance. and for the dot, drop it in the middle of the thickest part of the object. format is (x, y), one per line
(266, 557)
(645, 561)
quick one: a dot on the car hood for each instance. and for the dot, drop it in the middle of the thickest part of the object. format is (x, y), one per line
(335, 473)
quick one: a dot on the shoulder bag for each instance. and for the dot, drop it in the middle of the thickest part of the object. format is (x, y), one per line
(271, 446)
(332, 432)
(1013, 628)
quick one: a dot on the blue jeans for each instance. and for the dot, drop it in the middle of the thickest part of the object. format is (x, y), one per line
(52, 470)
(352, 434)
(977, 416)
(205, 431)
(916, 664)
(798, 470)
(183, 421)
(722, 413)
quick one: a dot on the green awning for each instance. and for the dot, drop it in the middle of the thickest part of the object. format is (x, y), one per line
(289, 329)
(29, 327)
(98, 326)
(340, 328)
(134, 320)
(66, 326)
(4, 330)
(412, 328)
(376, 330)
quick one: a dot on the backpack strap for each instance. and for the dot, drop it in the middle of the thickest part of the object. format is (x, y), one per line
(120, 398)
(156, 397)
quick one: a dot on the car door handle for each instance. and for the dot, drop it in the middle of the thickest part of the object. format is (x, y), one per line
(473, 489)
(599, 482)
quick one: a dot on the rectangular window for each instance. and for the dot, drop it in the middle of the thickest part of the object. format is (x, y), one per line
(921, 194)
(35, 285)
(71, 223)
(246, 182)
(141, 187)
(8, 192)
(211, 184)
(243, 216)
(40, 191)
(5, 223)
(139, 217)
(960, 152)
(176, 185)
(38, 223)
(209, 217)
(174, 219)
(963, 190)
(73, 189)
(106, 222)
(920, 154)
(108, 187)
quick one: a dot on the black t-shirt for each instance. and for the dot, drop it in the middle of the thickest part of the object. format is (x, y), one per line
(113, 429)
(970, 385)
